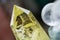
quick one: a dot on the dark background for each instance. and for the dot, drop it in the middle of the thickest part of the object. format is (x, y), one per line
(6, 6)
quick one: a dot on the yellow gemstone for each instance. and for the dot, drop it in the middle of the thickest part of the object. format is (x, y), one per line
(25, 26)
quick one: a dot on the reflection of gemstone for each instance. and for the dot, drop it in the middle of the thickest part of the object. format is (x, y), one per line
(30, 29)
(19, 21)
